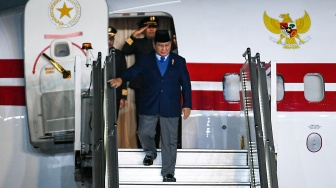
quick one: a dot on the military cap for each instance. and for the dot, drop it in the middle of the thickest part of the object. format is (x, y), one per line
(112, 31)
(149, 21)
(161, 36)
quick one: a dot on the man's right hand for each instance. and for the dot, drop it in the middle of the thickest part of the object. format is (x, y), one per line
(115, 82)
(139, 31)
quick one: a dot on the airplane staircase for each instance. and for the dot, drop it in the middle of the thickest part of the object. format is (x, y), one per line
(194, 168)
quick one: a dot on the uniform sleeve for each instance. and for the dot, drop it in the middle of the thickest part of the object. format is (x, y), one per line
(129, 46)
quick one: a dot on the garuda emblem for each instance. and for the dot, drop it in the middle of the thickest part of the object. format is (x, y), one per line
(288, 30)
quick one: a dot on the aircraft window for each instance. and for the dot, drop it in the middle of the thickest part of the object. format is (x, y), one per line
(313, 87)
(280, 88)
(62, 50)
(231, 87)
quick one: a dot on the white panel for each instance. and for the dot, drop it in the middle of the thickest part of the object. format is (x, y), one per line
(295, 161)
(294, 86)
(300, 86)
(206, 86)
(12, 82)
(213, 130)
(23, 165)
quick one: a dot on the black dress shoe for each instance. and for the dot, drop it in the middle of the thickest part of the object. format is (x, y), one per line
(169, 178)
(148, 160)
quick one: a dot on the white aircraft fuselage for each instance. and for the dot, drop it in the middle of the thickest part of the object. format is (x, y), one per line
(212, 36)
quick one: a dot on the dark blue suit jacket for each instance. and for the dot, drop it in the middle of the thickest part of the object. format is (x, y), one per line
(161, 94)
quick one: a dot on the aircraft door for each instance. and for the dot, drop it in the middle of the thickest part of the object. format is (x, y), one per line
(52, 48)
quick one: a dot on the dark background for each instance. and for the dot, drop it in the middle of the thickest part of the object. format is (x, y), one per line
(8, 4)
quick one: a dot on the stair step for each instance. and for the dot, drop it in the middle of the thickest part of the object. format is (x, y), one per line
(194, 168)
(189, 157)
(186, 167)
(186, 175)
(183, 185)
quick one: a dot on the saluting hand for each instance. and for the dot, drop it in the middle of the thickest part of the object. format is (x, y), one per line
(139, 31)
(115, 82)
(186, 112)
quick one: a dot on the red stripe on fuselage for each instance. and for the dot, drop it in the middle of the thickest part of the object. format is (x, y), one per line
(295, 72)
(12, 95)
(295, 101)
(11, 68)
(212, 100)
(211, 72)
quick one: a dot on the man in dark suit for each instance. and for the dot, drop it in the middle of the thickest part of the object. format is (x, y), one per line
(121, 92)
(138, 47)
(165, 79)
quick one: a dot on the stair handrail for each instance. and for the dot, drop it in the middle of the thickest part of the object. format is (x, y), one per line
(111, 133)
(256, 110)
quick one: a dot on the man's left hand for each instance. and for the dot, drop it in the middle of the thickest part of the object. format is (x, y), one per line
(122, 103)
(186, 112)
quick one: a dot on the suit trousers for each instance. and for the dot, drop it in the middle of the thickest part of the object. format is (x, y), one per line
(169, 129)
(137, 94)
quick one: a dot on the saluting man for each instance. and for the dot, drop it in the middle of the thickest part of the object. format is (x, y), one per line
(164, 77)
(138, 47)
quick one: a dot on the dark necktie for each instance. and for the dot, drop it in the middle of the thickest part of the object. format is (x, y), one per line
(162, 59)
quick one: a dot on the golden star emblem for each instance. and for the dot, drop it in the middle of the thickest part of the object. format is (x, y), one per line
(65, 11)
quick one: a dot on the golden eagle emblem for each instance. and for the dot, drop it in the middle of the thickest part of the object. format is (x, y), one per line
(288, 29)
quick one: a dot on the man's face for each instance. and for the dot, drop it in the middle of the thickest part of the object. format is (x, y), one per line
(111, 42)
(150, 31)
(162, 48)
